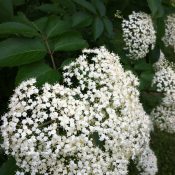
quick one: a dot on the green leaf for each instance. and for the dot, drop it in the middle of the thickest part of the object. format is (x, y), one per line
(1, 140)
(17, 28)
(40, 24)
(81, 19)
(156, 7)
(151, 99)
(146, 79)
(9, 167)
(96, 140)
(57, 27)
(21, 18)
(98, 27)
(70, 42)
(18, 2)
(87, 5)
(39, 70)
(147, 76)
(108, 26)
(15, 52)
(67, 62)
(6, 12)
(154, 54)
(143, 66)
(160, 30)
(51, 77)
(100, 7)
(48, 8)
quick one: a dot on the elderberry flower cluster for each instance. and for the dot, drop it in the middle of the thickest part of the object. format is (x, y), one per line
(164, 78)
(103, 74)
(138, 34)
(163, 63)
(93, 124)
(169, 38)
(163, 115)
(147, 162)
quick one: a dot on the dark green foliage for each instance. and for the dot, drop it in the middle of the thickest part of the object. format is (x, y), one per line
(21, 51)
(98, 27)
(39, 37)
(56, 27)
(87, 5)
(15, 28)
(163, 146)
(156, 8)
(9, 167)
(6, 12)
(67, 62)
(70, 42)
(132, 168)
(41, 71)
(81, 19)
(100, 21)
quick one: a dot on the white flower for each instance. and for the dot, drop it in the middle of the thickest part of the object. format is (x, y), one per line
(147, 162)
(169, 38)
(92, 125)
(138, 34)
(164, 79)
(163, 63)
(19, 173)
(163, 115)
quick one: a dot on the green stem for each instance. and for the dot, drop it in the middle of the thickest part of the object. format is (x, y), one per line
(45, 124)
(49, 51)
(44, 38)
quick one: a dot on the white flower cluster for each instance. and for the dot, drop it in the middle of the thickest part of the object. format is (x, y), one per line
(164, 114)
(163, 63)
(111, 76)
(164, 79)
(147, 162)
(169, 38)
(139, 35)
(92, 125)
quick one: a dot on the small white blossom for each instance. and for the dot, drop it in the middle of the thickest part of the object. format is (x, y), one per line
(169, 38)
(138, 34)
(164, 79)
(163, 63)
(147, 162)
(163, 115)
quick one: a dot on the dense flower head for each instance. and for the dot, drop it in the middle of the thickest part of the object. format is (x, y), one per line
(163, 115)
(164, 78)
(162, 63)
(169, 38)
(138, 34)
(147, 162)
(93, 124)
